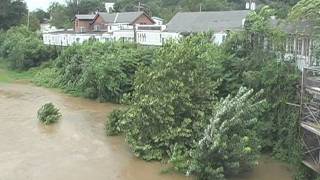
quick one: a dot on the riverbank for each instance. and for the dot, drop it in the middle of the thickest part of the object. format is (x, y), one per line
(10, 76)
(77, 147)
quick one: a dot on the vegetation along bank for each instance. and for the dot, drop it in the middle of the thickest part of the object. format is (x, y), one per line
(208, 110)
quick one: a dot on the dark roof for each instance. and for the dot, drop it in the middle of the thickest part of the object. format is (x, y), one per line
(85, 16)
(124, 17)
(207, 21)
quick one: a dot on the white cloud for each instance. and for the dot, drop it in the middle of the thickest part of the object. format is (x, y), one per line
(41, 4)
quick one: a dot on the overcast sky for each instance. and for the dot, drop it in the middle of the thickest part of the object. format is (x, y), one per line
(42, 4)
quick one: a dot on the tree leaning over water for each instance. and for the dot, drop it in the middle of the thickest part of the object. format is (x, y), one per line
(175, 99)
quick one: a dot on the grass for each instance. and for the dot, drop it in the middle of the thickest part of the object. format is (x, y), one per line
(9, 76)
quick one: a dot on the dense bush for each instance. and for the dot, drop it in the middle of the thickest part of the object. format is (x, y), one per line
(24, 49)
(259, 69)
(112, 125)
(48, 114)
(95, 70)
(230, 142)
(175, 100)
(171, 97)
(258, 66)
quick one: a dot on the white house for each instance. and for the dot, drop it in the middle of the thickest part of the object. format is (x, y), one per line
(218, 22)
(157, 20)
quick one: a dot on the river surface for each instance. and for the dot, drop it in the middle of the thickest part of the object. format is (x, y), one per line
(76, 148)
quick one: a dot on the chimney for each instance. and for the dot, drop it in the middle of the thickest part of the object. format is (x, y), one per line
(109, 7)
(251, 5)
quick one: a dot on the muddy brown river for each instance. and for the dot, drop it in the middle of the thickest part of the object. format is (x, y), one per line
(77, 148)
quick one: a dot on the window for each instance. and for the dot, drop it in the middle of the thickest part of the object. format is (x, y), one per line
(96, 27)
(82, 29)
(142, 37)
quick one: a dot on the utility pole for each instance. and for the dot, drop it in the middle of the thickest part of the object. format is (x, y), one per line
(135, 33)
(77, 3)
(28, 19)
(139, 6)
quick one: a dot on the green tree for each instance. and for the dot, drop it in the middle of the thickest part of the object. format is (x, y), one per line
(258, 66)
(306, 10)
(24, 49)
(41, 15)
(84, 6)
(171, 98)
(31, 21)
(63, 15)
(96, 70)
(48, 114)
(59, 16)
(230, 143)
(12, 13)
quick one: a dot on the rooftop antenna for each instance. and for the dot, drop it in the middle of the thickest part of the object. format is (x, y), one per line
(77, 3)
(28, 20)
(139, 6)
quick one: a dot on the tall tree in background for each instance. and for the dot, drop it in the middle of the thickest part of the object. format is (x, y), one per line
(306, 10)
(168, 8)
(41, 15)
(59, 16)
(31, 21)
(84, 6)
(62, 15)
(12, 13)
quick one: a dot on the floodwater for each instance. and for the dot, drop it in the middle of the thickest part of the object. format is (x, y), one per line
(76, 148)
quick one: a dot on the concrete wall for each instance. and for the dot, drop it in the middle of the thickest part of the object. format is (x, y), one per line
(151, 38)
(65, 39)
(219, 37)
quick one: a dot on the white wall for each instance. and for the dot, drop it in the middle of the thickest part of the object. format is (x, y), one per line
(157, 20)
(219, 37)
(149, 38)
(65, 39)
(126, 35)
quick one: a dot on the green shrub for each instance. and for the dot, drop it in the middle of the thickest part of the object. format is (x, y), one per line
(171, 97)
(113, 125)
(46, 77)
(24, 49)
(48, 114)
(259, 69)
(175, 100)
(103, 71)
(230, 143)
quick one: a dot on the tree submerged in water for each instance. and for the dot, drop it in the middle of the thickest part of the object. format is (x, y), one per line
(48, 114)
(230, 143)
